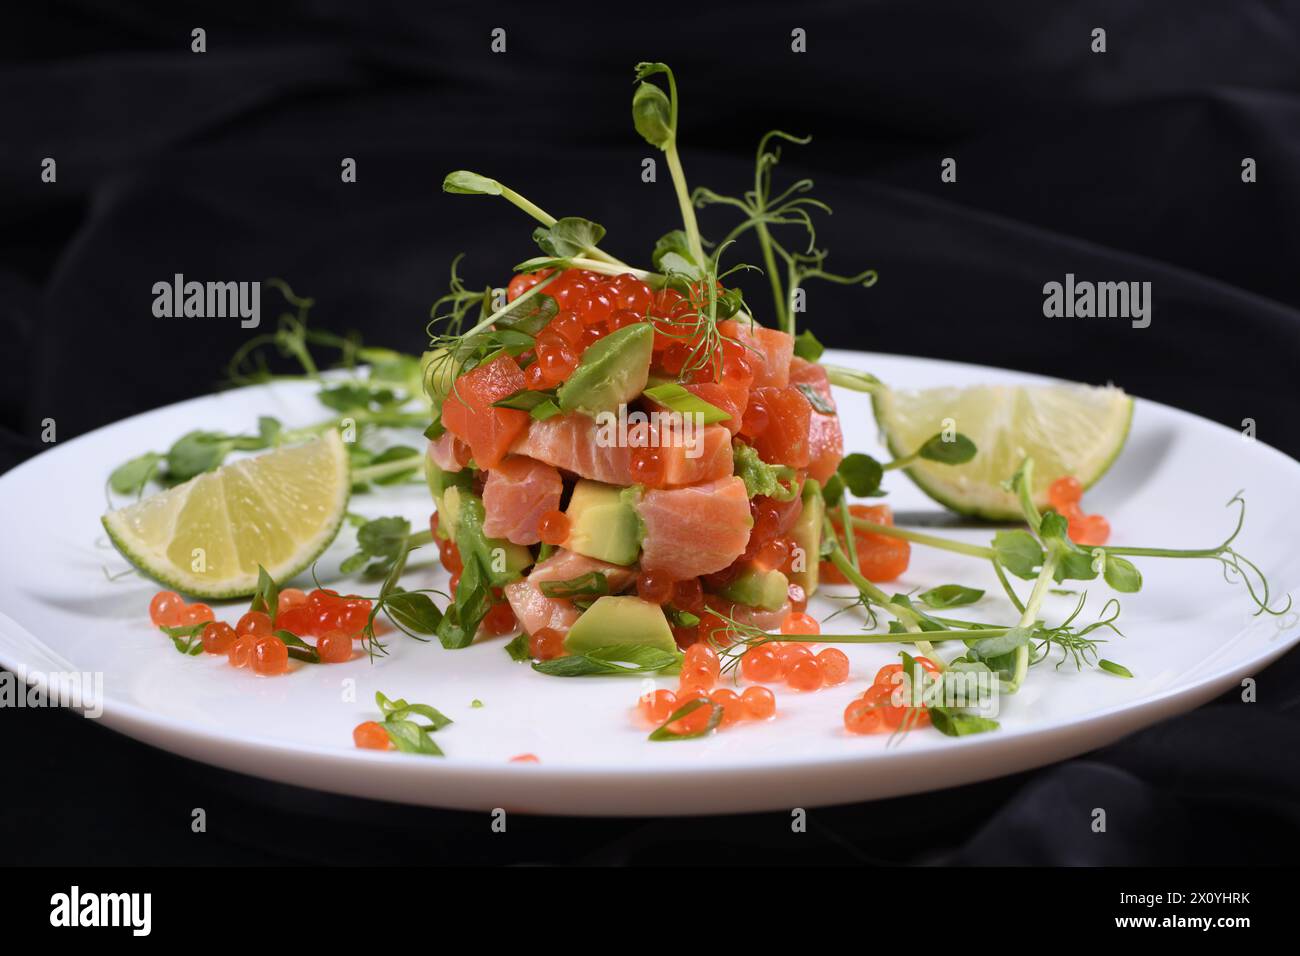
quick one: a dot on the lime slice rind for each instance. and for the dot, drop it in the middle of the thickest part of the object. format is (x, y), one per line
(280, 510)
(1067, 429)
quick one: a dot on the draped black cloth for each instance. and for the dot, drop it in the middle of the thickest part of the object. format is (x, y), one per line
(1125, 165)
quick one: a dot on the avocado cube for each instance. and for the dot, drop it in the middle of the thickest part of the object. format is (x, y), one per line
(620, 620)
(613, 371)
(807, 534)
(602, 524)
(768, 590)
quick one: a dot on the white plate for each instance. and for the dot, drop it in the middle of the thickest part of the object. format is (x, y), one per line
(1190, 636)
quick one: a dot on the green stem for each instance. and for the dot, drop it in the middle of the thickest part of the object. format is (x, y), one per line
(546, 219)
(853, 380)
(912, 637)
(1006, 585)
(1029, 616)
(684, 199)
(360, 417)
(413, 463)
(929, 540)
(904, 615)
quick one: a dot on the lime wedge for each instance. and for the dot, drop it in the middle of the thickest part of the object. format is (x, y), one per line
(207, 536)
(1067, 429)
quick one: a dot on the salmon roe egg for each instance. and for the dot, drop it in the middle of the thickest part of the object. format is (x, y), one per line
(353, 615)
(697, 719)
(729, 701)
(241, 652)
(762, 663)
(805, 675)
(334, 647)
(759, 703)
(371, 736)
(703, 657)
(835, 666)
(197, 614)
(797, 622)
(553, 527)
(500, 620)
(861, 717)
(546, 644)
(647, 467)
(217, 637)
(165, 609)
(270, 656)
(296, 620)
(793, 653)
(289, 599)
(655, 587)
(257, 623)
(657, 706)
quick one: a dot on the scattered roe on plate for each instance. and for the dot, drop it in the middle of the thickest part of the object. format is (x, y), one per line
(1086, 530)
(883, 706)
(334, 620)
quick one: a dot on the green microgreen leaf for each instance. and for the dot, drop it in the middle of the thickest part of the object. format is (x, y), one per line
(130, 477)
(1019, 552)
(464, 182)
(815, 399)
(266, 598)
(955, 723)
(678, 398)
(950, 595)
(568, 237)
(956, 450)
(298, 648)
(715, 718)
(861, 474)
(617, 660)
(186, 638)
(524, 400)
(413, 611)
(519, 649)
(1122, 575)
(807, 347)
(591, 584)
(1110, 667)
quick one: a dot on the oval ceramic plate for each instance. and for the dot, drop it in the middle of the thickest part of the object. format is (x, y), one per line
(1189, 636)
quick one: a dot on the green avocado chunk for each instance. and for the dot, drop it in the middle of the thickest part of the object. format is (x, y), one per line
(620, 620)
(506, 560)
(439, 482)
(602, 524)
(613, 371)
(768, 590)
(807, 534)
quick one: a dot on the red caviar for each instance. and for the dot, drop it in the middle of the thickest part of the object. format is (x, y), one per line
(218, 637)
(657, 705)
(834, 665)
(334, 647)
(553, 528)
(270, 656)
(166, 608)
(371, 736)
(257, 623)
(796, 622)
(546, 644)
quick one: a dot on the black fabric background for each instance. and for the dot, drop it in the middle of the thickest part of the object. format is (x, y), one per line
(226, 165)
